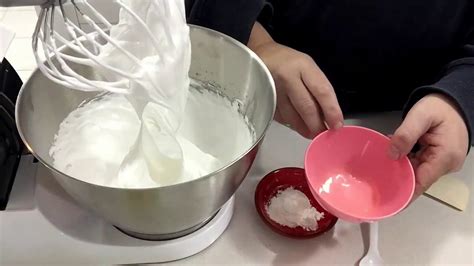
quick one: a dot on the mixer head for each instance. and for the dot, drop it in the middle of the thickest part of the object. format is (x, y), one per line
(87, 47)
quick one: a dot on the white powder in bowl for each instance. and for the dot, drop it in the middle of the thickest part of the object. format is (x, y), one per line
(292, 208)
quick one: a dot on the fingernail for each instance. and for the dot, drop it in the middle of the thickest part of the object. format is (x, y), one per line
(338, 125)
(394, 153)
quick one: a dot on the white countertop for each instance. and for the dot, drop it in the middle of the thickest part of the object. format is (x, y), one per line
(426, 233)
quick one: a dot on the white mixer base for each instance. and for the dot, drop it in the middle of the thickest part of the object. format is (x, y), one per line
(64, 232)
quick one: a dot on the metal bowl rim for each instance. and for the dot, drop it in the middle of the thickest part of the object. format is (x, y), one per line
(222, 169)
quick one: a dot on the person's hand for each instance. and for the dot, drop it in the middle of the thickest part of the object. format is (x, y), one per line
(436, 125)
(306, 101)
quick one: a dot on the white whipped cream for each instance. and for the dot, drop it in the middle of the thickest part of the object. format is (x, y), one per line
(94, 139)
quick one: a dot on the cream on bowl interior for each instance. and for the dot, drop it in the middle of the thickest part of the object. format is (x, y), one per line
(168, 211)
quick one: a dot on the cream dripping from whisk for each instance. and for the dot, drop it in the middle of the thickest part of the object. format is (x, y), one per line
(94, 138)
(159, 94)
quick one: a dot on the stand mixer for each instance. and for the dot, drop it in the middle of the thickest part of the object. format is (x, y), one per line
(218, 63)
(194, 212)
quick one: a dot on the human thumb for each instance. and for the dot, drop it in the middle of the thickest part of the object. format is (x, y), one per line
(415, 125)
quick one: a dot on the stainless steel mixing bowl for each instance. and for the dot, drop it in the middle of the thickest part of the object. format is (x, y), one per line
(162, 212)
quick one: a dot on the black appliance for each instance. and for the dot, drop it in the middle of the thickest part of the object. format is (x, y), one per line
(11, 146)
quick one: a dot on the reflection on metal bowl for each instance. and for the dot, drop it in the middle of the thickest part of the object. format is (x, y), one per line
(169, 211)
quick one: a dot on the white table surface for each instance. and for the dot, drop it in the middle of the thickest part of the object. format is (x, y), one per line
(426, 233)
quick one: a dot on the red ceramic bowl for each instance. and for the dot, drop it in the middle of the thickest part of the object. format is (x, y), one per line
(279, 180)
(351, 175)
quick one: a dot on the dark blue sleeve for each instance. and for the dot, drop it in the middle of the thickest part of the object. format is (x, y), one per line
(231, 17)
(456, 82)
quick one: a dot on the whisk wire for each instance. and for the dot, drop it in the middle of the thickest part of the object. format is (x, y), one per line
(87, 47)
(50, 47)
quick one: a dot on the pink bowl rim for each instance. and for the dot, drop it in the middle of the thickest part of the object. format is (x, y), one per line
(353, 217)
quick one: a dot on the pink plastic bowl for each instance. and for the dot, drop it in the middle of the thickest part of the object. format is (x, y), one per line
(351, 175)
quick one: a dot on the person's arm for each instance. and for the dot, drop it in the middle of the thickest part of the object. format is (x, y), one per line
(305, 98)
(306, 101)
(440, 118)
(258, 37)
(234, 18)
(456, 83)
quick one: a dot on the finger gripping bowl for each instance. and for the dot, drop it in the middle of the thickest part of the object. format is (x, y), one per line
(351, 175)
